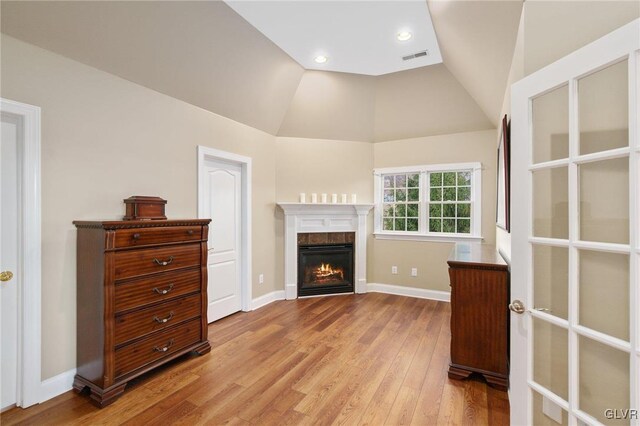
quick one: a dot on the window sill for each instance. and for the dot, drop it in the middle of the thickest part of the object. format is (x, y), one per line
(423, 237)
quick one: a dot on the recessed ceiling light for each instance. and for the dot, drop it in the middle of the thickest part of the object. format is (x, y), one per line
(404, 35)
(320, 59)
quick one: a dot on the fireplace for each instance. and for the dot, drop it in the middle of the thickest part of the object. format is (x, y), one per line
(325, 263)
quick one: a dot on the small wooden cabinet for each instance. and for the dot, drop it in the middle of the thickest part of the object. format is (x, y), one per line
(141, 299)
(479, 313)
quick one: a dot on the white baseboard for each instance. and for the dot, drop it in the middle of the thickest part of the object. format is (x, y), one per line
(261, 301)
(443, 296)
(57, 385)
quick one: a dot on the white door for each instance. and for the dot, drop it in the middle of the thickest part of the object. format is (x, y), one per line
(9, 259)
(223, 204)
(575, 345)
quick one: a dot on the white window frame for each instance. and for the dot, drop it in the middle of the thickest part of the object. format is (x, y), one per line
(423, 234)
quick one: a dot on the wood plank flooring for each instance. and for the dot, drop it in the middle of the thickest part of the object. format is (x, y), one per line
(369, 359)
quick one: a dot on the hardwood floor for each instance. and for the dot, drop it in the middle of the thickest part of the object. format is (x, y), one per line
(358, 359)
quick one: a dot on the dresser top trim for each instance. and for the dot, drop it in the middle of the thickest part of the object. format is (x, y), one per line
(129, 224)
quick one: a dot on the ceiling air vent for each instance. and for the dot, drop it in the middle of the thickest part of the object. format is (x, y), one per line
(415, 55)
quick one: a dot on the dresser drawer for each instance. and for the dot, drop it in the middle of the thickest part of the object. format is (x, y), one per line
(158, 345)
(139, 292)
(161, 235)
(140, 323)
(132, 263)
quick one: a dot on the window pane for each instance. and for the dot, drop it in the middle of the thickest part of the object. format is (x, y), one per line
(464, 210)
(449, 210)
(401, 194)
(387, 224)
(436, 194)
(388, 210)
(449, 194)
(551, 279)
(551, 125)
(436, 179)
(604, 109)
(449, 225)
(414, 181)
(449, 179)
(401, 210)
(550, 357)
(412, 210)
(464, 178)
(435, 210)
(464, 193)
(435, 225)
(400, 224)
(464, 226)
(401, 181)
(414, 194)
(388, 196)
(551, 203)
(388, 181)
(412, 225)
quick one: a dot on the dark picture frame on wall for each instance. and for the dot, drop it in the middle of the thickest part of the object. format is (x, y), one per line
(503, 216)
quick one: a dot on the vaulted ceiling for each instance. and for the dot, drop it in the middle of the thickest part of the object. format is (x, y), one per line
(204, 53)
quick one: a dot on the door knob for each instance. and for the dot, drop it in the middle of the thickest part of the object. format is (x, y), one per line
(517, 307)
(6, 275)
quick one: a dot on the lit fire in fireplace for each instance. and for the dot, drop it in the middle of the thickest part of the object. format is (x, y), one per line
(327, 273)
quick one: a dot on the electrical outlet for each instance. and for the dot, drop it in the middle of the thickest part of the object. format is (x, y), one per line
(394, 270)
(552, 410)
(414, 272)
(261, 279)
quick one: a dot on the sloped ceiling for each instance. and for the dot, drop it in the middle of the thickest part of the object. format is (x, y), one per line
(477, 40)
(201, 52)
(205, 54)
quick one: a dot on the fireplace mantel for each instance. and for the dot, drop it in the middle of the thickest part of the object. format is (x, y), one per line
(306, 217)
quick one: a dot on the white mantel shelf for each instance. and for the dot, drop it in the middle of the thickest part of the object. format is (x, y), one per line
(321, 217)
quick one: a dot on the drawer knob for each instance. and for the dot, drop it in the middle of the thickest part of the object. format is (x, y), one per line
(190, 232)
(164, 290)
(163, 320)
(165, 347)
(135, 236)
(163, 262)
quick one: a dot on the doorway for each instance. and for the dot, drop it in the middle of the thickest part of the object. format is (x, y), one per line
(575, 335)
(224, 196)
(20, 258)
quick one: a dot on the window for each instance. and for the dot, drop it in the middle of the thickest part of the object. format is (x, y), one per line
(428, 202)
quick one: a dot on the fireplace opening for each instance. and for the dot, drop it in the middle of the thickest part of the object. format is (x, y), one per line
(325, 269)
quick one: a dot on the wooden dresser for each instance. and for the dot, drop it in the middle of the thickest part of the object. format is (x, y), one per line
(141, 299)
(479, 313)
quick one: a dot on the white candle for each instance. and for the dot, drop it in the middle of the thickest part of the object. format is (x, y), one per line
(353, 199)
(334, 198)
(303, 197)
(314, 198)
(343, 198)
(324, 198)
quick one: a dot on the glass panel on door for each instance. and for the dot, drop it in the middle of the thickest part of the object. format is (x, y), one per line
(551, 125)
(551, 203)
(604, 281)
(604, 379)
(604, 201)
(604, 109)
(551, 279)
(550, 357)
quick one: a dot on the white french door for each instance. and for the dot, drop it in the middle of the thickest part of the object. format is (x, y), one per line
(575, 333)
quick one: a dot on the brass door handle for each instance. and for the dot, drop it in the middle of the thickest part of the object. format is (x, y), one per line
(517, 306)
(6, 276)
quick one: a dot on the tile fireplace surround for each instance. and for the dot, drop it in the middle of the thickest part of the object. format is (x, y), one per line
(309, 218)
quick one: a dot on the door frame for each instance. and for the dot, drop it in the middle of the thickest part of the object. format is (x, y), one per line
(205, 154)
(606, 51)
(29, 381)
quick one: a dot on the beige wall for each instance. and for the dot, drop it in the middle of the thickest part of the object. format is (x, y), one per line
(104, 139)
(430, 257)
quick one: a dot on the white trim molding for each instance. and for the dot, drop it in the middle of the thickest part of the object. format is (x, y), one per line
(204, 154)
(420, 293)
(266, 299)
(29, 305)
(57, 385)
(302, 217)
